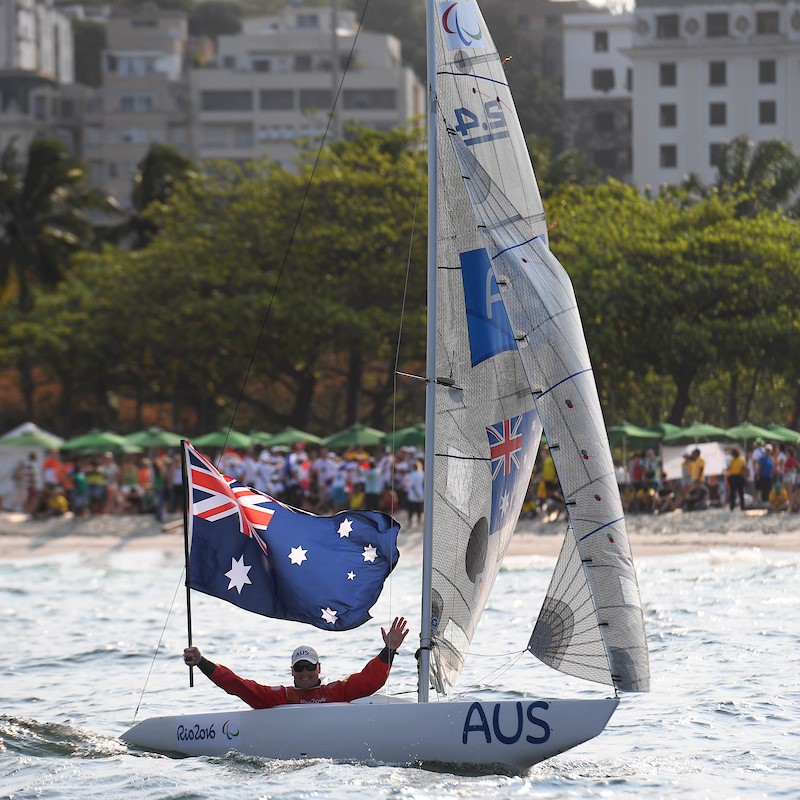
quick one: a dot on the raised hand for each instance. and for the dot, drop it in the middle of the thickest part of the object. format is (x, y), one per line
(397, 633)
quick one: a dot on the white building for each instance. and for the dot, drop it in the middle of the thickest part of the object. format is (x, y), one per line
(705, 73)
(597, 90)
(37, 93)
(273, 85)
(143, 98)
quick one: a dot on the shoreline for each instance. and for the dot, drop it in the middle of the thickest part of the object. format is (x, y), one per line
(650, 535)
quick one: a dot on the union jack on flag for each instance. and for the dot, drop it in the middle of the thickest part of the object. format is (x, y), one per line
(251, 550)
(216, 496)
(505, 444)
(512, 446)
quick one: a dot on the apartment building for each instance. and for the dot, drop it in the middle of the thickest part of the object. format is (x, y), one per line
(598, 90)
(143, 98)
(271, 88)
(37, 91)
(706, 72)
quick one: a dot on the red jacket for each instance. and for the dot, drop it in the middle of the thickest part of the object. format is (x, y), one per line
(361, 684)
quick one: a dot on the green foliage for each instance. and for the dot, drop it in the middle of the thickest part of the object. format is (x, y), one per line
(292, 285)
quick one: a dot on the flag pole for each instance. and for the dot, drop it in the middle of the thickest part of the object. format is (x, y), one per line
(186, 501)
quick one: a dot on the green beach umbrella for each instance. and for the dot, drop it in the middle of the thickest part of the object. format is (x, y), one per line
(355, 436)
(697, 432)
(260, 437)
(746, 432)
(154, 437)
(290, 436)
(224, 437)
(412, 436)
(782, 434)
(633, 435)
(97, 441)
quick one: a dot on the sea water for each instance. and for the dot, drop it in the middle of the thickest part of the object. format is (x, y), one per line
(90, 644)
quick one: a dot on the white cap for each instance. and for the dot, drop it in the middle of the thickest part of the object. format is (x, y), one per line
(305, 653)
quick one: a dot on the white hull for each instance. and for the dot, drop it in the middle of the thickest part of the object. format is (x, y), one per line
(515, 734)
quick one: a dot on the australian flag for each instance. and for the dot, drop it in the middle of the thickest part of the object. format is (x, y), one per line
(512, 448)
(269, 558)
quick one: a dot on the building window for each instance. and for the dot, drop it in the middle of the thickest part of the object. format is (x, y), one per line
(667, 26)
(226, 101)
(767, 22)
(302, 63)
(716, 24)
(604, 121)
(276, 99)
(370, 98)
(714, 154)
(136, 101)
(667, 75)
(668, 156)
(767, 112)
(717, 73)
(667, 115)
(717, 114)
(601, 41)
(307, 21)
(229, 62)
(315, 99)
(767, 71)
(262, 65)
(602, 80)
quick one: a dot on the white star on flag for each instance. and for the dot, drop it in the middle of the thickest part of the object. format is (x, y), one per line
(237, 574)
(329, 615)
(370, 553)
(345, 528)
(298, 555)
(351, 576)
(505, 501)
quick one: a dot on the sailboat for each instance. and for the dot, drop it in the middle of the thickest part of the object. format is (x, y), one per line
(507, 361)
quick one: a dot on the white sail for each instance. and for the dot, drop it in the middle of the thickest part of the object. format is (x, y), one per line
(487, 431)
(591, 623)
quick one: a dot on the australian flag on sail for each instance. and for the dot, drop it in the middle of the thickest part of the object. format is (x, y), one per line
(272, 559)
(512, 449)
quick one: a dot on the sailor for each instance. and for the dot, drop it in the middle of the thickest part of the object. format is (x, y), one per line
(306, 668)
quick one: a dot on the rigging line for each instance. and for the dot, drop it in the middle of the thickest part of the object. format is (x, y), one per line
(296, 224)
(494, 674)
(158, 645)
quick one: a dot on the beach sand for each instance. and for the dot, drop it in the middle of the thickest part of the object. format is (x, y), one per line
(651, 535)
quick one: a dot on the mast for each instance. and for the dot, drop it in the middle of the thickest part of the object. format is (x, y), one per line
(430, 368)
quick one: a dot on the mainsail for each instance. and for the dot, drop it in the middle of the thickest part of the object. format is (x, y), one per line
(512, 357)
(487, 430)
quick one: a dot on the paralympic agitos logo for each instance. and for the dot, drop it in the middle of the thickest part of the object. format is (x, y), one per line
(461, 24)
(226, 729)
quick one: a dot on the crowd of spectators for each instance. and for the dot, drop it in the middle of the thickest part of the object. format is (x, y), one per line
(323, 481)
(317, 480)
(763, 477)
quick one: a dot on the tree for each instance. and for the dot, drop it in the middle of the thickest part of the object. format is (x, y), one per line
(42, 223)
(761, 176)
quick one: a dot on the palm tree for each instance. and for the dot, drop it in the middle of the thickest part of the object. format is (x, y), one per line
(762, 176)
(42, 223)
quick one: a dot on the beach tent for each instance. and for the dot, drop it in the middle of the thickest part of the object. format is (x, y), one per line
(629, 435)
(15, 445)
